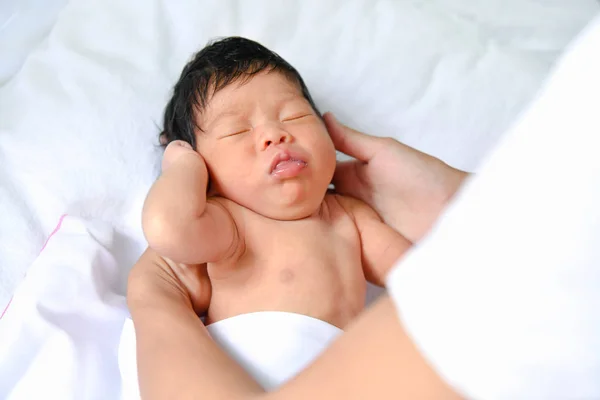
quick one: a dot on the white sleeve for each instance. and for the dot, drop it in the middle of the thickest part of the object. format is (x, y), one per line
(503, 296)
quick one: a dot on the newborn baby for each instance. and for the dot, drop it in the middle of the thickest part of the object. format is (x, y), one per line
(244, 191)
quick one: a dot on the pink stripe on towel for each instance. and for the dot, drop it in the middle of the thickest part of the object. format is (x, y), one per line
(53, 232)
(56, 229)
(6, 308)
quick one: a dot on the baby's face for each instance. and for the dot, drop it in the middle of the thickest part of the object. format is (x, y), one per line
(266, 148)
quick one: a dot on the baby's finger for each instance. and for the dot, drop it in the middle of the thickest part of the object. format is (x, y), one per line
(180, 143)
(175, 150)
(196, 284)
(349, 141)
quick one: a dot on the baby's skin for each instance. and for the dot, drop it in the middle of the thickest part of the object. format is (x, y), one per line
(269, 233)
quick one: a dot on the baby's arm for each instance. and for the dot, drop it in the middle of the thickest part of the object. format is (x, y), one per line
(179, 223)
(381, 245)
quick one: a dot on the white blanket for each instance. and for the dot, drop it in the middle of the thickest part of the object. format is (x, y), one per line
(272, 347)
(59, 337)
(79, 118)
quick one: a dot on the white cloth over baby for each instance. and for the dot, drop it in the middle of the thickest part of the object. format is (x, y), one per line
(272, 346)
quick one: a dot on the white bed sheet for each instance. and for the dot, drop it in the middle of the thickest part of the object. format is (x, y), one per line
(23, 26)
(78, 120)
(67, 334)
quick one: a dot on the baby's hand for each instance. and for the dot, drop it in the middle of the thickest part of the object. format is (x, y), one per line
(175, 201)
(178, 150)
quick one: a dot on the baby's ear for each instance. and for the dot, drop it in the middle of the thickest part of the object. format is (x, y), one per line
(162, 139)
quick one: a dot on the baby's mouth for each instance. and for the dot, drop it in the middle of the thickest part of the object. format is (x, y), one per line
(285, 165)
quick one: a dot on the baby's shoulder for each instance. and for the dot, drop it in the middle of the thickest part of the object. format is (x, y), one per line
(336, 205)
(346, 202)
(351, 205)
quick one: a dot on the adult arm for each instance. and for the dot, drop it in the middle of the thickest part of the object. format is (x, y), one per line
(374, 358)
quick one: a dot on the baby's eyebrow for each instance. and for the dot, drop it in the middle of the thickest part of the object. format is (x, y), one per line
(223, 114)
(236, 113)
(296, 100)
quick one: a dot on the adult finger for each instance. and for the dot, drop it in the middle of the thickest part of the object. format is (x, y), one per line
(196, 283)
(350, 141)
(348, 179)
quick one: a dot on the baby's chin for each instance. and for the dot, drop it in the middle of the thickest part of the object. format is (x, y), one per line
(289, 202)
(287, 212)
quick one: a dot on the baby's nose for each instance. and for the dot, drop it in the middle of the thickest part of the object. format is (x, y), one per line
(275, 137)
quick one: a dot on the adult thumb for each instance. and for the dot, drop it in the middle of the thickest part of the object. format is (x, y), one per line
(350, 141)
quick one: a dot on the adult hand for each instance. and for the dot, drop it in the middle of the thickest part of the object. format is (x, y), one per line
(154, 278)
(408, 188)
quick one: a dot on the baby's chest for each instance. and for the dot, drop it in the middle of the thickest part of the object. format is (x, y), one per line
(307, 242)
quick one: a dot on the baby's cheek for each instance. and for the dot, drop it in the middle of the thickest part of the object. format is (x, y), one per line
(327, 150)
(234, 179)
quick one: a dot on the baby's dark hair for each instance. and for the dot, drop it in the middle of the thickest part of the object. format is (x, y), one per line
(217, 65)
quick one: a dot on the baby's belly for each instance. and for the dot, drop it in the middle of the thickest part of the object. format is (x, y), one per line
(328, 296)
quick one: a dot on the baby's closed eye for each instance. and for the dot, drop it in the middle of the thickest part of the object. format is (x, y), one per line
(296, 110)
(236, 131)
(295, 117)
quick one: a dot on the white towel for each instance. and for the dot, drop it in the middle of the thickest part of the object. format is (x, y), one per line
(272, 346)
(60, 334)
